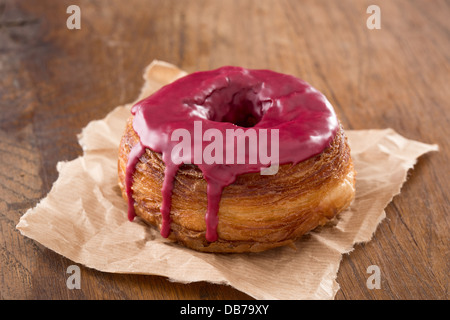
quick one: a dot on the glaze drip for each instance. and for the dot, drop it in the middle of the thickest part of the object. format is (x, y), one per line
(224, 99)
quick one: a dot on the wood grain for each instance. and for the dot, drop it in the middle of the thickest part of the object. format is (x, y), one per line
(54, 81)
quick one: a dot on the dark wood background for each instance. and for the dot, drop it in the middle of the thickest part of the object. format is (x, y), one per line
(53, 81)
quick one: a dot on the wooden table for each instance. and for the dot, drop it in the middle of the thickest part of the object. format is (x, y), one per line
(55, 80)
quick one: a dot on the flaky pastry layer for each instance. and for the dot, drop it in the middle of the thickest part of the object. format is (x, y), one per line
(257, 212)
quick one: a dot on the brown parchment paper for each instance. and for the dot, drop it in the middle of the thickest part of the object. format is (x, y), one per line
(85, 219)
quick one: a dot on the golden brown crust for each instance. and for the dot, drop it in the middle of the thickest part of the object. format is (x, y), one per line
(257, 212)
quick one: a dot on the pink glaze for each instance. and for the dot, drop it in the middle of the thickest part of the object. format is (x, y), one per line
(229, 98)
